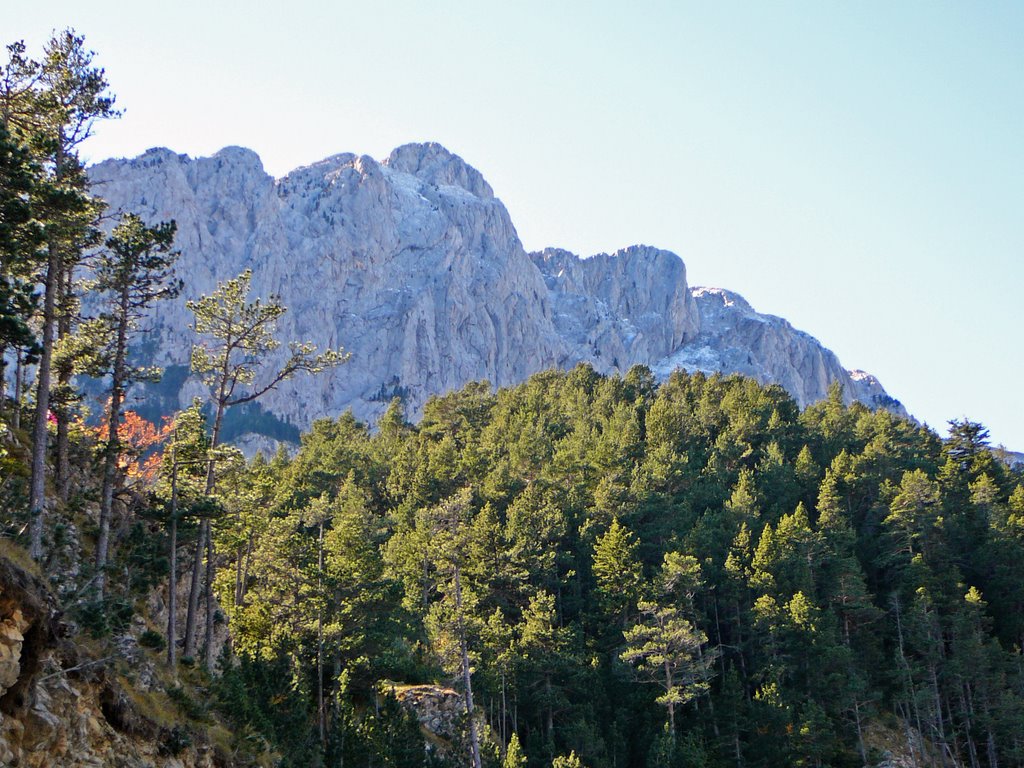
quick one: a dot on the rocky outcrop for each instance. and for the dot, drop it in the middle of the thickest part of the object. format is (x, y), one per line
(28, 624)
(617, 310)
(439, 710)
(904, 747)
(58, 708)
(413, 265)
(734, 338)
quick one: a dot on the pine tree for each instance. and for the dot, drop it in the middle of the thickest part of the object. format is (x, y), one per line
(617, 571)
(21, 237)
(567, 761)
(514, 757)
(131, 273)
(543, 653)
(666, 649)
(238, 335)
(914, 513)
(535, 528)
(449, 527)
(182, 480)
(843, 585)
(50, 108)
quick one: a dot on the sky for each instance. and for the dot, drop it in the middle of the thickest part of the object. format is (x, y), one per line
(857, 168)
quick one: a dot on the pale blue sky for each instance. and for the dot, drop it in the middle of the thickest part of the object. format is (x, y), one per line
(857, 168)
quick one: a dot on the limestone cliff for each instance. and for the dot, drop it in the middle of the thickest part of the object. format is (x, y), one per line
(414, 266)
(617, 310)
(736, 339)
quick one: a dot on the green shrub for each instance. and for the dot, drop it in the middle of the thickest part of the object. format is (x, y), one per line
(175, 741)
(189, 706)
(152, 640)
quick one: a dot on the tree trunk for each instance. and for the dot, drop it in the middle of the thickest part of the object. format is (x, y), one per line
(239, 555)
(194, 588)
(860, 733)
(504, 740)
(172, 594)
(940, 724)
(19, 383)
(37, 495)
(245, 571)
(172, 578)
(953, 743)
(321, 713)
(968, 715)
(903, 716)
(205, 543)
(911, 694)
(993, 757)
(65, 372)
(740, 646)
(550, 721)
(211, 482)
(474, 739)
(425, 581)
(113, 447)
(210, 615)
(671, 706)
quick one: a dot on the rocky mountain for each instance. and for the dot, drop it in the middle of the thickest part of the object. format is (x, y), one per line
(735, 338)
(414, 266)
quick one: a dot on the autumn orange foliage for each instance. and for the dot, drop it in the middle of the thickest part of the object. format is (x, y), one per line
(139, 462)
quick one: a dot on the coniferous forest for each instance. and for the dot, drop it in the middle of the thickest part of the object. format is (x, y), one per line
(592, 571)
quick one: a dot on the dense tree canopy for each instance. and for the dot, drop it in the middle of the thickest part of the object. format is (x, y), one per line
(691, 573)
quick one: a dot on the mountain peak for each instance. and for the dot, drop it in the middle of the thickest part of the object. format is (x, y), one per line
(241, 156)
(722, 297)
(435, 165)
(413, 266)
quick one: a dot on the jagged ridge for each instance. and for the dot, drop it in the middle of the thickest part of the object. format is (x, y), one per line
(415, 267)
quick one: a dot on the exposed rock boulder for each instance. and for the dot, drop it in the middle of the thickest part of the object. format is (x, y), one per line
(441, 714)
(28, 626)
(439, 710)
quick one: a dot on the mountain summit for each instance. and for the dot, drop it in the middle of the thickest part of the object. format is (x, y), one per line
(414, 266)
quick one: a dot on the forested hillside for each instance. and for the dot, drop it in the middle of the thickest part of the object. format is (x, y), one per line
(690, 574)
(786, 588)
(580, 570)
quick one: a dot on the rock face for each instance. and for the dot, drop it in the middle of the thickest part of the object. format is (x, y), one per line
(414, 266)
(59, 710)
(616, 310)
(735, 338)
(440, 712)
